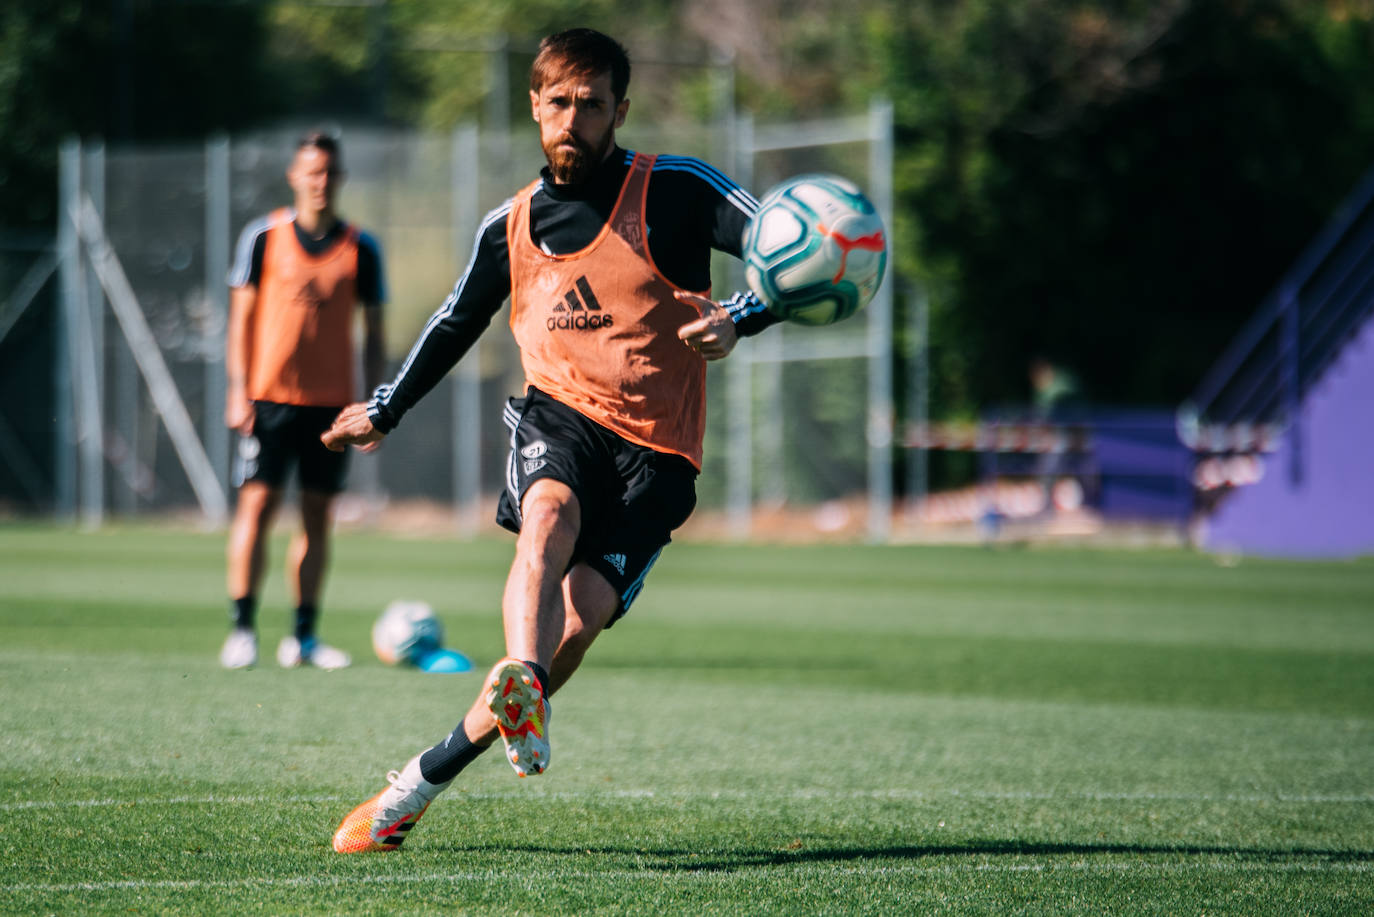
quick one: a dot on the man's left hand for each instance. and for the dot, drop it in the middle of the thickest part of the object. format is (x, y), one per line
(712, 335)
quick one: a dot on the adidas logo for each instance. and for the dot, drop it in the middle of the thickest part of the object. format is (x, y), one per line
(617, 561)
(578, 310)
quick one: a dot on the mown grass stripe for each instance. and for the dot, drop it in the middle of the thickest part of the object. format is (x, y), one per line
(673, 795)
(1225, 864)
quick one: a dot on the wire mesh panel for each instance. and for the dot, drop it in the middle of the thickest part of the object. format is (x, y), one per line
(27, 336)
(819, 399)
(793, 407)
(154, 219)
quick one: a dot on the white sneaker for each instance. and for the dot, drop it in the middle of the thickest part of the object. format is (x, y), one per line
(291, 654)
(383, 822)
(240, 649)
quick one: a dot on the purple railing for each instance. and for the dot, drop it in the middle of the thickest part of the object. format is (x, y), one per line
(1286, 346)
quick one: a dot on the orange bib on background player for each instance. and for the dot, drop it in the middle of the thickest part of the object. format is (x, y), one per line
(301, 334)
(597, 328)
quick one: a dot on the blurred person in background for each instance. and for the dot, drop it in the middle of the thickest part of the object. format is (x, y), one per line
(1053, 389)
(606, 260)
(1055, 400)
(299, 273)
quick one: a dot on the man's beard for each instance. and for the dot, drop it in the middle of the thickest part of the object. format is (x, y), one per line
(573, 167)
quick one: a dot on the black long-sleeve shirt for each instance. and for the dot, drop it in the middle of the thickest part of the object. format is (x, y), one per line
(691, 209)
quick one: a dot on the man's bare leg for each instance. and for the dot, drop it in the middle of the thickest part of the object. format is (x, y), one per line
(257, 505)
(306, 565)
(532, 605)
(245, 561)
(384, 821)
(590, 602)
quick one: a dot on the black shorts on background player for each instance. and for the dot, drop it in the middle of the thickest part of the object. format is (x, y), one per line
(631, 497)
(287, 435)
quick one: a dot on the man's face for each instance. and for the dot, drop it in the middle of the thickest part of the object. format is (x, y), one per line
(577, 119)
(314, 179)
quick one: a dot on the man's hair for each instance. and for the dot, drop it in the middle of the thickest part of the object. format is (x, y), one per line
(581, 52)
(325, 143)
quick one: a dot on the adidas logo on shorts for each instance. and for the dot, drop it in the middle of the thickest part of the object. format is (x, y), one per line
(617, 561)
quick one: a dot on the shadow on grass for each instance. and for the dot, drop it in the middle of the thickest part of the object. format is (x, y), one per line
(673, 859)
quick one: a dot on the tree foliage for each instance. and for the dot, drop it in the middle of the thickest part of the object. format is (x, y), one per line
(124, 70)
(1129, 209)
(1111, 183)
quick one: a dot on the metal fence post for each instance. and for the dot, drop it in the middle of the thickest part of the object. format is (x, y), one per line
(92, 368)
(1290, 363)
(918, 396)
(465, 182)
(739, 400)
(880, 401)
(69, 281)
(217, 244)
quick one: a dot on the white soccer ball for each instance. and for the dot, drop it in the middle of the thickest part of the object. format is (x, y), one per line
(816, 250)
(405, 631)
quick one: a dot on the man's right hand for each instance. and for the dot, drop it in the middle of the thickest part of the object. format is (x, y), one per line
(352, 428)
(238, 412)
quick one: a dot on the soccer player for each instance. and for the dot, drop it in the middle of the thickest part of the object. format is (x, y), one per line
(606, 260)
(298, 276)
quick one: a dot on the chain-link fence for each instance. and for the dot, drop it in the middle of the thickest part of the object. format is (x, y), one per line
(796, 415)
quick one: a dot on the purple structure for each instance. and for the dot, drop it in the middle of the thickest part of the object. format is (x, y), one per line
(1130, 461)
(1316, 498)
(1303, 364)
(1143, 471)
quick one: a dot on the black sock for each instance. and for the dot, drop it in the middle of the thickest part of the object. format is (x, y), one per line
(446, 760)
(306, 613)
(244, 612)
(542, 675)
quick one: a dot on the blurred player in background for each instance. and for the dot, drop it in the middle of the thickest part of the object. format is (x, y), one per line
(298, 275)
(1055, 399)
(606, 260)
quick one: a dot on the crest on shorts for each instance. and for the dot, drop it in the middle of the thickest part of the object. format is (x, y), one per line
(533, 456)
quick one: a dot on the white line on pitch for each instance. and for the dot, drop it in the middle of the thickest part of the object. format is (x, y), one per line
(1222, 864)
(169, 801)
(799, 794)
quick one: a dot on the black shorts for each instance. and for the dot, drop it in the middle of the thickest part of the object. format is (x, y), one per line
(286, 436)
(631, 496)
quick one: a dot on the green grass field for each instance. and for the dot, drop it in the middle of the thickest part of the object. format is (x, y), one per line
(785, 730)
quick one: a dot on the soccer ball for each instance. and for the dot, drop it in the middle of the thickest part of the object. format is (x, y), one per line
(816, 250)
(405, 632)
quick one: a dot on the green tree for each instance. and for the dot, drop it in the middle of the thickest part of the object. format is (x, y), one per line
(127, 70)
(1115, 184)
(1129, 232)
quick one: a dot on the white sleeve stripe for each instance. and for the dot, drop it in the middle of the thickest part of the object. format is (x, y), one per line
(701, 165)
(383, 394)
(242, 270)
(745, 201)
(742, 199)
